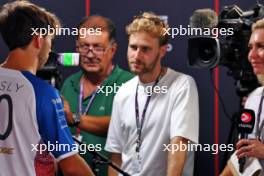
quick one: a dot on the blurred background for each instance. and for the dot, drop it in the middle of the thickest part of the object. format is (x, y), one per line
(214, 124)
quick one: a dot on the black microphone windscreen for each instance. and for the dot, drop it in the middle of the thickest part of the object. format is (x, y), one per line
(246, 121)
(203, 18)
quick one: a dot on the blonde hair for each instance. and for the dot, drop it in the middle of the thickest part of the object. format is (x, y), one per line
(150, 23)
(258, 25)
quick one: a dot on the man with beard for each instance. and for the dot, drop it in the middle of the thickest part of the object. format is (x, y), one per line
(90, 92)
(254, 146)
(155, 115)
(32, 117)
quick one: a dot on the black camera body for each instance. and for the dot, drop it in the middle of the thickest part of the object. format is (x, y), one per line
(51, 72)
(230, 51)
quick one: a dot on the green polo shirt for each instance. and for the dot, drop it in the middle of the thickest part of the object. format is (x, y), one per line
(101, 105)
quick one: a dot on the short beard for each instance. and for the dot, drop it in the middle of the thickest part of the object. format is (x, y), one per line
(151, 67)
(261, 79)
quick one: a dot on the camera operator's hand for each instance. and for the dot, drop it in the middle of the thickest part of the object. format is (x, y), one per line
(250, 148)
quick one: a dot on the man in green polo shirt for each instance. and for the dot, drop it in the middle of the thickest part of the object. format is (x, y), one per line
(89, 93)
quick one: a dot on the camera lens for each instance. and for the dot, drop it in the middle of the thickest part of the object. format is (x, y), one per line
(203, 52)
(206, 52)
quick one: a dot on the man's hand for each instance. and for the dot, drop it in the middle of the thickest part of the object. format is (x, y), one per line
(250, 148)
(93, 124)
(67, 110)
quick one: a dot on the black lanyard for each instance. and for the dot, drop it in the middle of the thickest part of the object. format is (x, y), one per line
(260, 127)
(139, 122)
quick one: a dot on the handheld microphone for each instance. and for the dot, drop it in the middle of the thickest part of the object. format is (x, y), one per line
(203, 18)
(246, 124)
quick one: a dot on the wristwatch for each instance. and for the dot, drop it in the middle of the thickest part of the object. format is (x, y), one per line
(76, 119)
